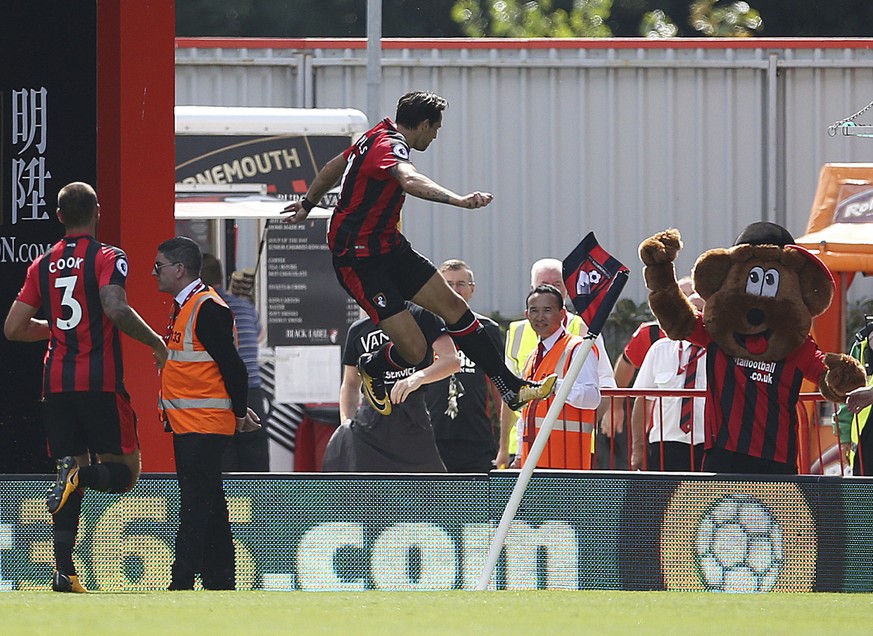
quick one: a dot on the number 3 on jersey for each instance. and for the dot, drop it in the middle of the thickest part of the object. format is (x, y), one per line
(67, 283)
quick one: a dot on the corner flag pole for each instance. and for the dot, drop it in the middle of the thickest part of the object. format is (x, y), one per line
(542, 437)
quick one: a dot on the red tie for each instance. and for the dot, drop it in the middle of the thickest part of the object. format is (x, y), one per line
(686, 419)
(541, 353)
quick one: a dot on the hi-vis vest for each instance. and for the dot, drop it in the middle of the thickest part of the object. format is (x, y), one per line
(193, 397)
(863, 414)
(570, 442)
(521, 339)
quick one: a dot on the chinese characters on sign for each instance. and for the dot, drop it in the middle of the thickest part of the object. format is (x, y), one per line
(29, 171)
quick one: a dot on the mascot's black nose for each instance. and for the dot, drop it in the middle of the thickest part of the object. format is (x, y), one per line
(755, 316)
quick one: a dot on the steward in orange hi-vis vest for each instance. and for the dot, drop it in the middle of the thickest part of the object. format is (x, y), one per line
(193, 396)
(570, 443)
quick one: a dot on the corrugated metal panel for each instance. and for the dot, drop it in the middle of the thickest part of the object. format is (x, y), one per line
(237, 77)
(623, 140)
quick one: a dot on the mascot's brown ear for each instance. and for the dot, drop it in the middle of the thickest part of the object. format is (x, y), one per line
(816, 282)
(710, 270)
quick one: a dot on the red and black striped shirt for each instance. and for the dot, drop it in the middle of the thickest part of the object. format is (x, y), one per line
(84, 351)
(751, 406)
(367, 213)
(639, 344)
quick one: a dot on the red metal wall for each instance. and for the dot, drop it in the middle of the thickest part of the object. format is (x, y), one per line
(135, 160)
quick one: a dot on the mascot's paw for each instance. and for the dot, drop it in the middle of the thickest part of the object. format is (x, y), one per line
(669, 305)
(661, 248)
(844, 374)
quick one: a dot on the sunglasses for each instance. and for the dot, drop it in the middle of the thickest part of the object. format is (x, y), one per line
(159, 266)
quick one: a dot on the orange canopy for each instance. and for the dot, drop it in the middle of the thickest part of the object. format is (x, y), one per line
(840, 233)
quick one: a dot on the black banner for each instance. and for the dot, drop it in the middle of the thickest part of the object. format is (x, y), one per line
(305, 303)
(48, 118)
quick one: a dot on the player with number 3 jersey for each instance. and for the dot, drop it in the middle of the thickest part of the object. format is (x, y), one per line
(79, 286)
(84, 352)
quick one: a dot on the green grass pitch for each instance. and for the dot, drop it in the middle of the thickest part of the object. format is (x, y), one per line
(547, 613)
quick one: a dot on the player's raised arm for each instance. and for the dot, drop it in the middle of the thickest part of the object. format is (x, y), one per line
(420, 185)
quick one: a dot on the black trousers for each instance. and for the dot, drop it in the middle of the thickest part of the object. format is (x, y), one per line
(467, 456)
(204, 544)
(250, 452)
(718, 460)
(610, 453)
(677, 456)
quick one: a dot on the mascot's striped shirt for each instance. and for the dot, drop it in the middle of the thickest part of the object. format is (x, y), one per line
(751, 404)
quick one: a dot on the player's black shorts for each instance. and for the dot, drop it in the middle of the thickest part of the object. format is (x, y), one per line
(381, 285)
(82, 421)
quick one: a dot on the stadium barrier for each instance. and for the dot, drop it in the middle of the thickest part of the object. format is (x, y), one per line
(574, 530)
(817, 443)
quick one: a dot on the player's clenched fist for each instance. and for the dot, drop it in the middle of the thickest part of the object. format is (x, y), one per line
(476, 200)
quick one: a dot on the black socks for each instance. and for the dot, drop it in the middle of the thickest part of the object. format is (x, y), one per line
(113, 477)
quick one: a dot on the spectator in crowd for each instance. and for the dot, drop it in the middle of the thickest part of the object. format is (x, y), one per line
(675, 424)
(403, 440)
(626, 367)
(521, 340)
(376, 264)
(569, 444)
(204, 388)
(459, 404)
(79, 285)
(246, 452)
(856, 438)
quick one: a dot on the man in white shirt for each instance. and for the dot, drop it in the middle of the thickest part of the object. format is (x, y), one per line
(673, 425)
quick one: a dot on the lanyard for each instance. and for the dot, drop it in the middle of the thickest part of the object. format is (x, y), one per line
(194, 290)
(174, 310)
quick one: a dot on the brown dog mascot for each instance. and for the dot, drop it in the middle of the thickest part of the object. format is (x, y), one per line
(761, 296)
